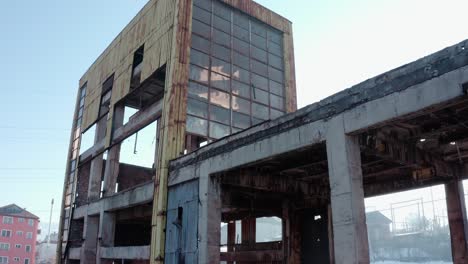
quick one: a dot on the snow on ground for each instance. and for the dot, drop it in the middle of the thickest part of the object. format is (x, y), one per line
(398, 262)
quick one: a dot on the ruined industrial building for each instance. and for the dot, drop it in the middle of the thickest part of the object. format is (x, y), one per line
(187, 124)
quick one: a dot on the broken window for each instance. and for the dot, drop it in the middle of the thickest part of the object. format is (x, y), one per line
(139, 149)
(268, 229)
(106, 96)
(237, 65)
(87, 139)
(137, 66)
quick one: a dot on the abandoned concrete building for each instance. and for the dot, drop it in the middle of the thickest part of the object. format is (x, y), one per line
(187, 125)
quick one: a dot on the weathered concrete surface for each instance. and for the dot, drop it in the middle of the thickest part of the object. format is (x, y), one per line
(347, 195)
(139, 195)
(456, 212)
(142, 252)
(431, 80)
(89, 249)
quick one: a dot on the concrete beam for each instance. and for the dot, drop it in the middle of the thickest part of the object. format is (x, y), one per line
(268, 182)
(139, 195)
(456, 211)
(136, 253)
(140, 120)
(347, 195)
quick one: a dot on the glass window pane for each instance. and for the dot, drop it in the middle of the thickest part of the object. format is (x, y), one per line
(259, 68)
(197, 125)
(198, 108)
(240, 46)
(222, 24)
(241, 33)
(221, 38)
(259, 54)
(241, 89)
(259, 95)
(258, 28)
(260, 111)
(259, 82)
(222, 10)
(240, 74)
(275, 113)
(259, 42)
(205, 4)
(200, 43)
(202, 15)
(199, 58)
(219, 98)
(198, 74)
(235, 130)
(198, 91)
(220, 66)
(221, 52)
(218, 130)
(220, 81)
(241, 60)
(275, 61)
(240, 120)
(275, 36)
(240, 105)
(83, 91)
(220, 114)
(201, 29)
(275, 49)
(241, 20)
(276, 88)
(276, 102)
(276, 75)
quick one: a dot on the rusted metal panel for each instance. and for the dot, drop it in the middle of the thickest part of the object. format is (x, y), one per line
(182, 227)
(172, 131)
(290, 72)
(117, 58)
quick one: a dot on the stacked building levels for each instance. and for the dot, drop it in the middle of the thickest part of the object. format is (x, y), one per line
(19, 229)
(185, 133)
(181, 75)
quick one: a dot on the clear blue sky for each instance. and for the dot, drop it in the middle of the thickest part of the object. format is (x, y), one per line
(47, 45)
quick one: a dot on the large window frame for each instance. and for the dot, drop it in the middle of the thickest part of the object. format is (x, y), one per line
(233, 55)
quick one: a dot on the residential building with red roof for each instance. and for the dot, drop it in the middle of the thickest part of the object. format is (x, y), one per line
(18, 235)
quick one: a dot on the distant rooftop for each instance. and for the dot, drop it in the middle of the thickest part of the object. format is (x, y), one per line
(15, 210)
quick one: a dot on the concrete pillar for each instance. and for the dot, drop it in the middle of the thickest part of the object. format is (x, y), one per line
(90, 235)
(209, 222)
(107, 229)
(111, 172)
(95, 178)
(456, 212)
(347, 195)
(106, 234)
(231, 237)
(248, 226)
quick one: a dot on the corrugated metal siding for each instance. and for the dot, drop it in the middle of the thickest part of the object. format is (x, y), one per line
(181, 241)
